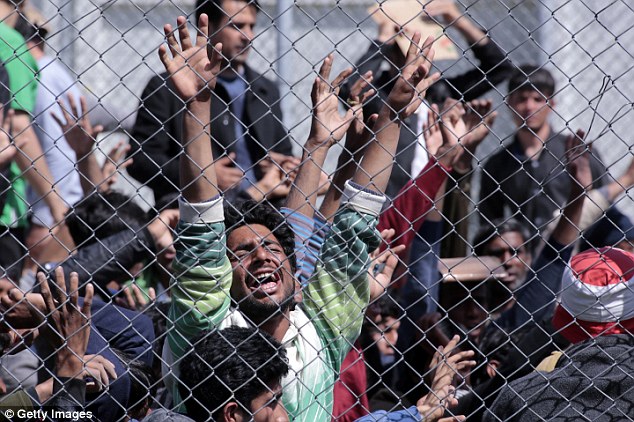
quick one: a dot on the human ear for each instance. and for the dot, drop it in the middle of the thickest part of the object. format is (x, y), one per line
(231, 412)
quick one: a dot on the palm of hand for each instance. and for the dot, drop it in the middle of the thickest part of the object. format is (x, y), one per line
(409, 89)
(192, 74)
(455, 130)
(193, 67)
(328, 126)
(433, 142)
(79, 138)
(329, 123)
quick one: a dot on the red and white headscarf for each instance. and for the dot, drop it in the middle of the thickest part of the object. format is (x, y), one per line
(597, 295)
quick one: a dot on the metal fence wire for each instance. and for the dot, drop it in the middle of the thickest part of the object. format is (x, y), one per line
(313, 210)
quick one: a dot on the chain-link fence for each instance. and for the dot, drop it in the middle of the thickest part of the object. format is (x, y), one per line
(292, 210)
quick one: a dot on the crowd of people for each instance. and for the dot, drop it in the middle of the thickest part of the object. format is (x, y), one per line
(261, 288)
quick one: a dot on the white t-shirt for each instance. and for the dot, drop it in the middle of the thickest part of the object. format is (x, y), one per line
(420, 153)
(55, 81)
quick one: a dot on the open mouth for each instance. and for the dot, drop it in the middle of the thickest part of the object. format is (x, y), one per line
(266, 282)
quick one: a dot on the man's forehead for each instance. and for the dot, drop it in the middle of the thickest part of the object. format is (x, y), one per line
(252, 232)
(510, 238)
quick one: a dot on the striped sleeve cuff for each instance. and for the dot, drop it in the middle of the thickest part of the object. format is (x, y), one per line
(207, 212)
(361, 199)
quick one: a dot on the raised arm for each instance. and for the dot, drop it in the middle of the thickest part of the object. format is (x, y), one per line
(193, 72)
(578, 166)
(406, 95)
(416, 198)
(357, 138)
(328, 127)
(81, 137)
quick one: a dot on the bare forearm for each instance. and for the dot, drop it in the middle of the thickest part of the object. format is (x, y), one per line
(345, 171)
(31, 161)
(89, 174)
(435, 213)
(376, 165)
(197, 174)
(303, 195)
(567, 229)
(619, 186)
(44, 390)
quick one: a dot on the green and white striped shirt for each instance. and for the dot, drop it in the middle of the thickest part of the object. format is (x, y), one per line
(322, 329)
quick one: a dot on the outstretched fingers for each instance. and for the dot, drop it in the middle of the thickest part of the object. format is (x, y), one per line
(341, 77)
(202, 35)
(172, 43)
(321, 85)
(88, 297)
(361, 83)
(413, 51)
(183, 33)
(45, 290)
(215, 58)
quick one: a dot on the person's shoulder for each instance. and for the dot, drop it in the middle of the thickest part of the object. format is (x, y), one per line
(53, 69)
(513, 397)
(11, 37)
(13, 45)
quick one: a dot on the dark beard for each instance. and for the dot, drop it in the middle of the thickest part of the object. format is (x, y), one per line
(259, 312)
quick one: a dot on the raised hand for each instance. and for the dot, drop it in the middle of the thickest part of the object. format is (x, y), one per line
(102, 372)
(78, 130)
(431, 129)
(453, 129)
(69, 325)
(478, 119)
(193, 68)
(328, 125)
(578, 161)
(112, 167)
(382, 265)
(274, 184)
(359, 133)
(446, 363)
(134, 298)
(410, 87)
(229, 175)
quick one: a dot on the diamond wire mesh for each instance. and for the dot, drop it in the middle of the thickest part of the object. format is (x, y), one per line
(487, 256)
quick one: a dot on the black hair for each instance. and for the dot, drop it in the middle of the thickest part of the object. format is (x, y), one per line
(100, 215)
(386, 307)
(30, 31)
(529, 77)
(252, 212)
(226, 365)
(498, 227)
(142, 385)
(213, 9)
